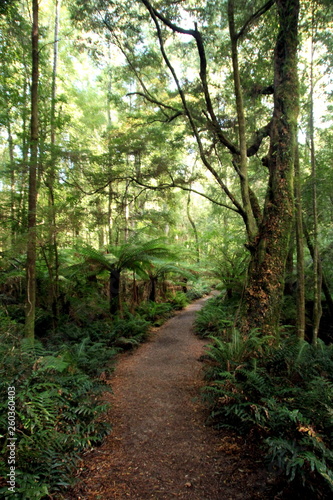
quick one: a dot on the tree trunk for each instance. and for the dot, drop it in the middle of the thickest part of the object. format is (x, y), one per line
(300, 293)
(152, 293)
(110, 221)
(12, 181)
(53, 258)
(32, 203)
(114, 291)
(325, 286)
(264, 291)
(317, 280)
(194, 227)
(241, 159)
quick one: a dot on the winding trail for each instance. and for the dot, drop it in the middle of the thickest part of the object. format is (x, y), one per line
(159, 447)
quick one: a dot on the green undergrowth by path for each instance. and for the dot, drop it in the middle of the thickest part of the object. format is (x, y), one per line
(58, 383)
(281, 394)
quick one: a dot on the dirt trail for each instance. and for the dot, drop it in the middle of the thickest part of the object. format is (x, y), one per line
(159, 447)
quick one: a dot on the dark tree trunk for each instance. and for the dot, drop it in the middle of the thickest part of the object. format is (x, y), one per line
(53, 257)
(194, 227)
(152, 294)
(114, 291)
(300, 292)
(317, 278)
(31, 243)
(263, 295)
(325, 286)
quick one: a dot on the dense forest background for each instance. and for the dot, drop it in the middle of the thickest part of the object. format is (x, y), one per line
(150, 152)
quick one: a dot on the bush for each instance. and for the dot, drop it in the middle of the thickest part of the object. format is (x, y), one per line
(57, 416)
(177, 300)
(284, 395)
(155, 312)
(197, 290)
(216, 317)
(129, 331)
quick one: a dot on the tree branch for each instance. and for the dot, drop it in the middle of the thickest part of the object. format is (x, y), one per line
(131, 65)
(254, 17)
(154, 101)
(259, 137)
(150, 187)
(239, 209)
(203, 72)
(184, 188)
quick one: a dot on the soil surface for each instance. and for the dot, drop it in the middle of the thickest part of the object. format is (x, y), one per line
(160, 446)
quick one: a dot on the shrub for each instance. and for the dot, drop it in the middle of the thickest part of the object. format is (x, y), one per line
(197, 290)
(57, 416)
(130, 330)
(177, 300)
(216, 317)
(285, 395)
(155, 312)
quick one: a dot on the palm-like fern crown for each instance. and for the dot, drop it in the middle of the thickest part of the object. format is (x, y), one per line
(136, 256)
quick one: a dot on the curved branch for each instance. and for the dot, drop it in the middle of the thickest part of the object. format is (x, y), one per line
(239, 209)
(152, 188)
(203, 71)
(254, 17)
(259, 137)
(184, 188)
(131, 65)
(154, 101)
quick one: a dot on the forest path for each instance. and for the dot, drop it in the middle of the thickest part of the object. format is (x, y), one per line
(159, 447)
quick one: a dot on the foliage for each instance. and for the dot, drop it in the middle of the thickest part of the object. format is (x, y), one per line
(230, 268)
(215, 317)
(178, 300)
(282, 394)
(197, 289)
(58, 409)
(130, 330)
(155, 312)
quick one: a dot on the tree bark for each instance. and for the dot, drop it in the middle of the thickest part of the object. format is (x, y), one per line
(300, 292)
(325, 286)
(241, 158)
(264, 291)
(152, 293)
(53, 258)
(317, 279)
(114, 291)
(32, 197)
(194, 227)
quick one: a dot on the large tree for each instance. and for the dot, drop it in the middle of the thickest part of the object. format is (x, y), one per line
(268, 228)
(33, 165)
(266, 280)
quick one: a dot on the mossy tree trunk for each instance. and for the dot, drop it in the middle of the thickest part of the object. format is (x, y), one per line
(32, 204)
(300, 293)
(264, 291)
(317, 277)
(53, 256)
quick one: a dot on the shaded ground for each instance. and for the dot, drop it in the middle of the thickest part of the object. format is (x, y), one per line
(160, 447)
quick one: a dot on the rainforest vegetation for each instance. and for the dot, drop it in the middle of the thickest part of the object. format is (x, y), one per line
(149, 152)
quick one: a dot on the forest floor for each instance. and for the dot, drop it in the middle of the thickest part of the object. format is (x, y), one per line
(160, 446)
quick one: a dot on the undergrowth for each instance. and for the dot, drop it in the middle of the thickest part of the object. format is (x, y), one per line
(280, 394)
(197, 289)
(58, 408)
(216, 317)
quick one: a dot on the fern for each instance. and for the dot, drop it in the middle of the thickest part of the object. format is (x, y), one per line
(58, 411)
(282, 393)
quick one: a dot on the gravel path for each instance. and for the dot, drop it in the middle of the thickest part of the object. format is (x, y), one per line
(159, 447)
